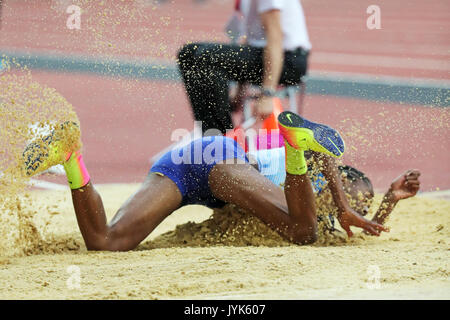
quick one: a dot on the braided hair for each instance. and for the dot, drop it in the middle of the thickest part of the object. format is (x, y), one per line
(354, 174)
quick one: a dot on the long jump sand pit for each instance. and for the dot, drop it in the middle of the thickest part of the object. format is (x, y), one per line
(410, 262)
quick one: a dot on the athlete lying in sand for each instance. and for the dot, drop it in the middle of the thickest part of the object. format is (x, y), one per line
(184, 176)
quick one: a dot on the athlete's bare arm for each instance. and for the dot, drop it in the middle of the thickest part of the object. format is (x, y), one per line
(405, 186)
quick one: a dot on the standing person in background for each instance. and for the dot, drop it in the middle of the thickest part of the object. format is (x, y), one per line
(275, 52)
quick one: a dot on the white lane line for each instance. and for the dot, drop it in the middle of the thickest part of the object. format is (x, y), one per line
(380, 61)
(436, 194)
(378, 79)
(46, 185)
(42, 184)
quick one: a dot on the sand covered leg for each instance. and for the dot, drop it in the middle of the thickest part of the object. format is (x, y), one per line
(157, 198)
(291, 213)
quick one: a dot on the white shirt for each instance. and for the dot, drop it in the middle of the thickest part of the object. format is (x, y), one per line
(271, 164)
(293, 22)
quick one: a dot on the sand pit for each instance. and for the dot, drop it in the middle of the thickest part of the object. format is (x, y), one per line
(412, 261)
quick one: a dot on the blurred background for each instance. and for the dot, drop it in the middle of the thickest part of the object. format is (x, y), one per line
(387, 90)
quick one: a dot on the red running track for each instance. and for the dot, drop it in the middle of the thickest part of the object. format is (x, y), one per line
(413, 40)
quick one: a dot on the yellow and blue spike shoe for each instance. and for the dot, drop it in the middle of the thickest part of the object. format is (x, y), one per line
(306, 135)
(52, 149)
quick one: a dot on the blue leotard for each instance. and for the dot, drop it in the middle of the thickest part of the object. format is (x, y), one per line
(189, 166)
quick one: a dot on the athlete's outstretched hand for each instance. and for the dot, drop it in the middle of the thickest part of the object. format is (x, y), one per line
(406, 185)
(349, 217)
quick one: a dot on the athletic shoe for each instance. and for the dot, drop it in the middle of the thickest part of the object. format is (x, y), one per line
(306, 135)
(52, 149)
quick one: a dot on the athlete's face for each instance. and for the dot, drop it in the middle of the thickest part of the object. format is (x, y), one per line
(361, 195)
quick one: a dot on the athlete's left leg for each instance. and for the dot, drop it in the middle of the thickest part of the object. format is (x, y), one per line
(291, 213)
(157, 197)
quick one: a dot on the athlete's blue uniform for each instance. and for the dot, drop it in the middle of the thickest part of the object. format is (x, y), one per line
(189, 167)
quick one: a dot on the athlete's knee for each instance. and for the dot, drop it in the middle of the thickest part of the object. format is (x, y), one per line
(97, 243)
(305, 238)
(305, 235)
(119, 240)
(110, 245)
(112, 241)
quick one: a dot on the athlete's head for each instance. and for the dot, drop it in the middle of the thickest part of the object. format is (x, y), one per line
(359, 187)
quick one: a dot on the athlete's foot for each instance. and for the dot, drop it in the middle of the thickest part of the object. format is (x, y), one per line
(52, 149)
(306, 135)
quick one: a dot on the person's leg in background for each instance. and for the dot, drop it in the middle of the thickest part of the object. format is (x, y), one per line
(294, 69)
(295, 66)
(206, 69)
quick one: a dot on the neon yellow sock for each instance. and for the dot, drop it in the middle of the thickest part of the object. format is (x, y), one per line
(295, 160)
(77, 174)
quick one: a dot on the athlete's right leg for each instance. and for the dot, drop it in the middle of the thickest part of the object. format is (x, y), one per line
(291, 213)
